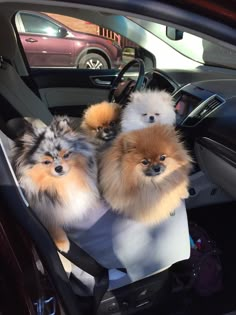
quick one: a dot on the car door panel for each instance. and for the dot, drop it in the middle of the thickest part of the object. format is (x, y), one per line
(62, 100)
(70, 91)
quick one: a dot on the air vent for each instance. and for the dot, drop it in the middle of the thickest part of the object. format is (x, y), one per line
(203, 110)
(209, 106)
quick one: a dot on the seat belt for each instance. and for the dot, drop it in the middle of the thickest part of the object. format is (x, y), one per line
(20, 96)
(88, 264)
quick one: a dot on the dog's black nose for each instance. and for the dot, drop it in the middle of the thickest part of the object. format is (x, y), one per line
(58, 169)
(106, 130)
(151, 118)
(156, 168)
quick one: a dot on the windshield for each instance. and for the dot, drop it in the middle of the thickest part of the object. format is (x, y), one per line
(193, 47)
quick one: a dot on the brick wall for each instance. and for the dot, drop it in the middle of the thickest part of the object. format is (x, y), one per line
(76, 24)
(87, 27)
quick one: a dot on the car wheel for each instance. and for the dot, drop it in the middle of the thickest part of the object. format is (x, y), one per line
(92, 61)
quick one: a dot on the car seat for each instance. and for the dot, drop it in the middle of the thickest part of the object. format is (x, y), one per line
(139, 283)
(17, 99)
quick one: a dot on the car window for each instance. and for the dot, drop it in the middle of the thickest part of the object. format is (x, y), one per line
(193, 47)
(38, 25)
(53, 40)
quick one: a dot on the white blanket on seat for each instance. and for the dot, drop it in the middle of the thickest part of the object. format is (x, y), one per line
(117, 242)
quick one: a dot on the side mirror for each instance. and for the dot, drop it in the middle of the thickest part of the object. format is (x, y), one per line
(173, 33)
(62, 32)
(129, 53)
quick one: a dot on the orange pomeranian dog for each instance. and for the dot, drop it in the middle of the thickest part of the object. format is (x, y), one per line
(101, 122)
(144, 174)
(57, 171)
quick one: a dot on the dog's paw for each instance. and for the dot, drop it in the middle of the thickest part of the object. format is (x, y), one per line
(63, 245)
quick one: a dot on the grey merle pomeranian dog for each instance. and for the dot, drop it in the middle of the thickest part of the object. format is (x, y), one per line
(57, 171)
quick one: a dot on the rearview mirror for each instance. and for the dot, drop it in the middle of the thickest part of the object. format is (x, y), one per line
(174, 34)
(62, 32)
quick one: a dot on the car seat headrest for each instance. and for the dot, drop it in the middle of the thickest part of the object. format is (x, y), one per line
(7, 39)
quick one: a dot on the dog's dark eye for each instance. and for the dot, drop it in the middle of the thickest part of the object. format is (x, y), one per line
(66, 155)
(145, 162)
(144, 114)
(99, 128)
(112, 123)
(162, 157)
(46, 162)
(157, 114)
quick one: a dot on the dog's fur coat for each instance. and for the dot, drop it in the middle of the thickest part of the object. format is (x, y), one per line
(57, 171)
(144, 174)
(147, 108)
(101, 122)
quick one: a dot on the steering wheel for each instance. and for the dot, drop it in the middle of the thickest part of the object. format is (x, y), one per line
(120, 89)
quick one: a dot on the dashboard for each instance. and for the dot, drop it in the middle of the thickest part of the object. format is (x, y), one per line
(206, 115)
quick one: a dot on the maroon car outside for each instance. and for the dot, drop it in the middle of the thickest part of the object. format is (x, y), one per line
(49, 43)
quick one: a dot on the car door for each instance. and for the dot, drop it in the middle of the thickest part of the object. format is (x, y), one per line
(41, 40)
(69, 92)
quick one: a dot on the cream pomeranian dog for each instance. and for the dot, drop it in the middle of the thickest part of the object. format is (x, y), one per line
(143, 178)
(57, 171)
(147, 108)
(101, 122)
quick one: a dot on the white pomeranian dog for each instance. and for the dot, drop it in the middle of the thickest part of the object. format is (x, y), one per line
(147, 108)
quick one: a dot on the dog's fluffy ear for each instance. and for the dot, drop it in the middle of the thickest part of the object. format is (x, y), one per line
(34, 129)
(29, 136)
(61, 125)
(127, 143)
(167, 97)
(134, 97)
(137, 96)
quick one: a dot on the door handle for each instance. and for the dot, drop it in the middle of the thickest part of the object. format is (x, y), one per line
(102, 82)
(31, 40)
